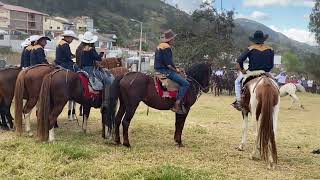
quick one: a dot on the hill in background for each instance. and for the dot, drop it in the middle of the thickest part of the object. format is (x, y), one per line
(114, 16)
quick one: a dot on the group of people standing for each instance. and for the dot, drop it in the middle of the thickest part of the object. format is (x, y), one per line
(33, 54)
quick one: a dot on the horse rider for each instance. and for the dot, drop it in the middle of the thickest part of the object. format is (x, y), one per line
(88, 59)
(37, 55)
(27, 48)
(261, 57)
(63, 51)
(281, 78)
(164, 64)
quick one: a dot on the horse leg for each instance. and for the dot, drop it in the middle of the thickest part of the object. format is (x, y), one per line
(275, 126)
(255, 153)
(126, 122)
(74, 117)
(3, 124)
(57, 109)
(80, 110)
(9, 118)
(244, 131)
(119, 117)
(86, 112)
(296, 99)
(180, 120)
(69, 110)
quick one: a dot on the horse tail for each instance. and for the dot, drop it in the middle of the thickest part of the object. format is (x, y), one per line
(18, 101)
(43, 113)
(266, 135)
(300, 88)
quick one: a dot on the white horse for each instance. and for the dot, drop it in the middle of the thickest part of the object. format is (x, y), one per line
(291, 89)
(263, 104)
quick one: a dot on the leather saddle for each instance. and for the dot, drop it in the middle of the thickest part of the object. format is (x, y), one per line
(167, 83)
(94, 82)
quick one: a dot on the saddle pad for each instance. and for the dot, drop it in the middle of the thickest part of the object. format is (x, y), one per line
(251, 75)
(88, 92)
(167, 83)
(163, 92)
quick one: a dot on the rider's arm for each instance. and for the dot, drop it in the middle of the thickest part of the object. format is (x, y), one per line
(241, 60)
(42, 56)
(67, 51)
(168, 59)
(97, 57)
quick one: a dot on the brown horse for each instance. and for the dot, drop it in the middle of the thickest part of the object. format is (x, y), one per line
(110, 63)
(136, 87)
(28, 87)
(61, 86)
(262, 100)
(8, 78)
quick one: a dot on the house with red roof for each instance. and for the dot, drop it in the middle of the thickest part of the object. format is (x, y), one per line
(20, 20)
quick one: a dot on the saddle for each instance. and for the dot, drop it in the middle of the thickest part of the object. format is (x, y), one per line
(94, 82)
(165, 86)
(89, 89)
(245, 92)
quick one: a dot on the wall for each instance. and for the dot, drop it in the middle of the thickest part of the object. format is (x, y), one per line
(4, 19)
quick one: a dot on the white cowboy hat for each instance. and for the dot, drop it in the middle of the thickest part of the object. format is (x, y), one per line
(26, 43)
(38, 37)
(69, 33)
(88, 37)
(34, 38)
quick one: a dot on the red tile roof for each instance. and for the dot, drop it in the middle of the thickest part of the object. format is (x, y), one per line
(20, 9)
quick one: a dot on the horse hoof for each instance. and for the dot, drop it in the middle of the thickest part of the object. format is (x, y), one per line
(271, 166)
(5, 128)
(179, 145)
(127, 145)
(240, 148)
(30, 134)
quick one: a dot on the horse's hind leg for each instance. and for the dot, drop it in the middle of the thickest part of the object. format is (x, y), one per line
(126, 122)
(119, 117)
(53, 119)
(296, 99)
(244, 131)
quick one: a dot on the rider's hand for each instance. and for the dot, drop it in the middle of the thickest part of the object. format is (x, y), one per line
(244, 71)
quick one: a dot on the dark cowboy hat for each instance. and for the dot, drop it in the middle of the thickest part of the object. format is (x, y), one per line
(168, 36)
(259, 37)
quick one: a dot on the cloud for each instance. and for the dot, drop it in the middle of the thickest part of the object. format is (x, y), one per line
(264, 3)
(300, 35)
(255, 15)
(189, 6)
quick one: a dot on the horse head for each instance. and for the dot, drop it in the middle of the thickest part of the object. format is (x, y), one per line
(201, 73)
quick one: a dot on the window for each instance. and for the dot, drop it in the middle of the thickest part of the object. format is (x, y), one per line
(1, 37)
(32, 24)
(50, 27)
(58, 27)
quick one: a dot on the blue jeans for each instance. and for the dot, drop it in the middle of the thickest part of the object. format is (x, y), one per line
(105, 77)
(183, 83)
(238, 87)
(70, 66)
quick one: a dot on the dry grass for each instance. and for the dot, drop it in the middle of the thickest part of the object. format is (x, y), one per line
(212, 132)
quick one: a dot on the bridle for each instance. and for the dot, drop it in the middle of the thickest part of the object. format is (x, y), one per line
(200, 87)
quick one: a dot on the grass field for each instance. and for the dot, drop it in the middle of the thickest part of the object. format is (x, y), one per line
(212, 132)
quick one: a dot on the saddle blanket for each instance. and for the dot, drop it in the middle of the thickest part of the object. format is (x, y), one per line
(88, 92)
(162, 92)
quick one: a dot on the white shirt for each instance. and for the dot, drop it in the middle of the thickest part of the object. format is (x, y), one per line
(281, 78)
(310, 83)
(219, 73)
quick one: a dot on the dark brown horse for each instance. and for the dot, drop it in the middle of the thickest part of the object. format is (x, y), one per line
(8, 78)
(61, 86)
(136, 87)
(28, 87)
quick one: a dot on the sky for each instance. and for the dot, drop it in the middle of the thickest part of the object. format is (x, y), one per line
(290, 17)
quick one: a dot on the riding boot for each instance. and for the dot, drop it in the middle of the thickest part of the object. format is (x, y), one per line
(177, 107)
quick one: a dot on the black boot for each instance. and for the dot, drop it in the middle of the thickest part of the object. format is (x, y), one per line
(237, 105)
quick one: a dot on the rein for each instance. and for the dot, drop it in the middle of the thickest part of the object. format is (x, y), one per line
(200, 88)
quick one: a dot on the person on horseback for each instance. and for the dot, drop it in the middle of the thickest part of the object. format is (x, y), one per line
(27, 48)
(63, 52)
(164, 64)
(37, 55)
(88, 59)
(261, 57)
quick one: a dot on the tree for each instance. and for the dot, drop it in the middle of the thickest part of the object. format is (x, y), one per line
(292, 63)
(312, 64)
(314, 24)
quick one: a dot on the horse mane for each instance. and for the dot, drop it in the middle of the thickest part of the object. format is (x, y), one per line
(198, 71)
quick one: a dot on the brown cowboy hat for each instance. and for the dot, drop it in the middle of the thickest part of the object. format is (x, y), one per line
(259, 37)
(167, 36)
